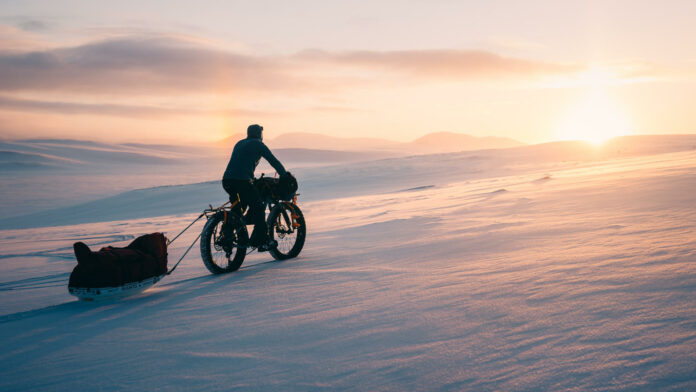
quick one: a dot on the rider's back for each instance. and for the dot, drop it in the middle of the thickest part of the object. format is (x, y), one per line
(245, 156)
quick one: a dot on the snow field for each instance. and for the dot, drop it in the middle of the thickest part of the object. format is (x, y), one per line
(579, 278)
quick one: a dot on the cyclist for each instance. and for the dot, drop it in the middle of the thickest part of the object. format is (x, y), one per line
(238, 180)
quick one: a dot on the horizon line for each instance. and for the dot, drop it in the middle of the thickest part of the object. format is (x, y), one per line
(213, 142)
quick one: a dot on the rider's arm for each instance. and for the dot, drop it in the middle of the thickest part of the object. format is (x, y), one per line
(268, 155)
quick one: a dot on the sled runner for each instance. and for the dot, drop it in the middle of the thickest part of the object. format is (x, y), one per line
(95, 294)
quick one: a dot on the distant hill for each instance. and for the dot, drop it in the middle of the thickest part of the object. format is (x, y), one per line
(649, 144)
(36, 154)
(310, 149)
(323, 174)
(17, 160)
(40, 154)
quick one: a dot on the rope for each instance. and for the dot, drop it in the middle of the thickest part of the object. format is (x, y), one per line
(189, 248)
(187, 227)
(199, 235)
(185, 253)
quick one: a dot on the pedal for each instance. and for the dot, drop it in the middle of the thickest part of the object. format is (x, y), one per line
(294, 217)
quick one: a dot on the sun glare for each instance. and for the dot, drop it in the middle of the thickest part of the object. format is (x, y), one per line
(596, 116)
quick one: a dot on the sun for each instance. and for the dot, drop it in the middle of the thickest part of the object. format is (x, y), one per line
(596, 116)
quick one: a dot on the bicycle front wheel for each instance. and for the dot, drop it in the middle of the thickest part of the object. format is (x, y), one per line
(286, 225)
(223, 250)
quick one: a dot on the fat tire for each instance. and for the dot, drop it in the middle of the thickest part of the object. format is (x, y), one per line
(301, 230)
(207, 247)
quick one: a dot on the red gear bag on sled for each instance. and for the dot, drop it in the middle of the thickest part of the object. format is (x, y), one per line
(110, 267)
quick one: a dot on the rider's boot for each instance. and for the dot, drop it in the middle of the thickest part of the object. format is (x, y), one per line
(270, 244)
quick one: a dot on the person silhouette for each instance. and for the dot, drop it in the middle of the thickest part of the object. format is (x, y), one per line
(238, 180)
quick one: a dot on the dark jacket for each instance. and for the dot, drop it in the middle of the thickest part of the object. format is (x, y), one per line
(246, 155)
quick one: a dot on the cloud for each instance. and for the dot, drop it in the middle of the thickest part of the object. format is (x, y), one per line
(333, 109)
(25, 23)
(136, 65)
(163, 65)
(452, 64)
(513, 43)
(15, 40)
(32, 25)
(117, 110)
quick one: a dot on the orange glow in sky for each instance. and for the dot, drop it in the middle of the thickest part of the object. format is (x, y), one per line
(533, 71)
(596, 116)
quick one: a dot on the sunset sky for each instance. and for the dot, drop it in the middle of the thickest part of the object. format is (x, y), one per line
(185, 71)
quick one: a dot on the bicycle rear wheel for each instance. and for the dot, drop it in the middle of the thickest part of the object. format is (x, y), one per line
(220, 250)
(286, 225)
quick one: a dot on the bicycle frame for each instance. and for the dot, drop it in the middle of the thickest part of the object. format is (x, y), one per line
(284, 220)
(269, 204)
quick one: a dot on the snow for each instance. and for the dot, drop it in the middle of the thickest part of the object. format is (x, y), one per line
(495, 270)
